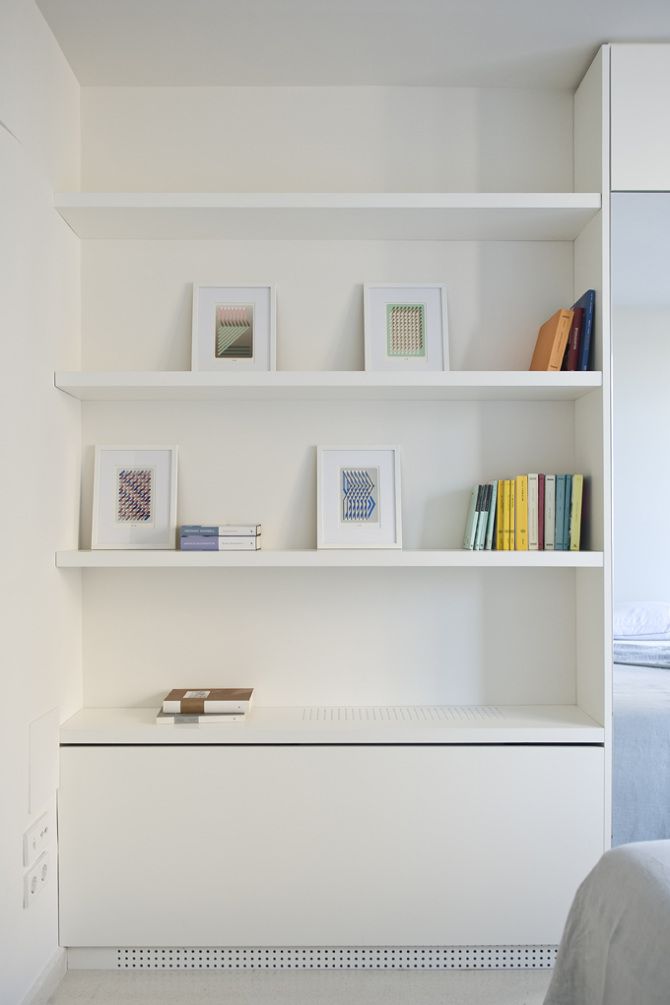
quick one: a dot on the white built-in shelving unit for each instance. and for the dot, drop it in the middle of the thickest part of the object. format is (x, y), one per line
(469, 690)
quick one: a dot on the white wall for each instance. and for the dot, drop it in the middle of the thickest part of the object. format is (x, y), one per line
(641, 340)
(40, 636)
(326, 139)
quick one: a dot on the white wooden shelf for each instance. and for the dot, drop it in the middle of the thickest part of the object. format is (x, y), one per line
(460, 724)
(185, 385)
(326, 559)
(459, 216)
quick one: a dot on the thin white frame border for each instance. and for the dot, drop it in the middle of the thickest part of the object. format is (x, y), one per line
(404, 363)
(170, 537)
(322, 539)
(228, 365)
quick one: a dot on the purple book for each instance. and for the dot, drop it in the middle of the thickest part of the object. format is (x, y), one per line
(194, 542)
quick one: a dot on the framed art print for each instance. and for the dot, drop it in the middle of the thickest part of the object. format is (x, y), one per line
(358, 497)
(134, 497)
(406, 327)
(233, 327)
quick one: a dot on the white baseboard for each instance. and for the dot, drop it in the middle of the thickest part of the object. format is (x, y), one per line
(314, 958)
(48, 981)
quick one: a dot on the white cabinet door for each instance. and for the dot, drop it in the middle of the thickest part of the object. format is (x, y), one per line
(324, 845)
(640, 134)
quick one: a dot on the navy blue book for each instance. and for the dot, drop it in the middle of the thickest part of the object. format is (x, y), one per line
(588, 303)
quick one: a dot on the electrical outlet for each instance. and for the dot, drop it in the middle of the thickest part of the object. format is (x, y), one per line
(36, 839)
(36, 879)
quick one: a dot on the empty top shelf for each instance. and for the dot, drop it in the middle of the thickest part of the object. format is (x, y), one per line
(456, 216)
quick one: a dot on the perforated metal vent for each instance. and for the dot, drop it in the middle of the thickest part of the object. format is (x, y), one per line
(340, 958)
(401, 713)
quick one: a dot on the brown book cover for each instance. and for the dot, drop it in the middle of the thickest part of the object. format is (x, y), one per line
(551, 341)
(200, 701)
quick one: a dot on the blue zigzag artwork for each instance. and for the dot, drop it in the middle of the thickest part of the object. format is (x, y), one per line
(359, 489)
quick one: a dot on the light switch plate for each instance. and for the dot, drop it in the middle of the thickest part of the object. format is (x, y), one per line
(36, 839)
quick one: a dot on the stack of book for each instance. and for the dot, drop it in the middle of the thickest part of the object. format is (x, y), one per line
(564, 341)
(216, 705)
(223, 537)
(533, 512)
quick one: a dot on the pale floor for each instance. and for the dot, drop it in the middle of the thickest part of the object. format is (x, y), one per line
(262, 987)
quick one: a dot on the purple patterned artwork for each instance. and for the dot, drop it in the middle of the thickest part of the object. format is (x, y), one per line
(134, 497)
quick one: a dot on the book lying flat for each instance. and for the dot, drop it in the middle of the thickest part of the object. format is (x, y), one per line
(204, 701)
(221, 530)
(212, 718)
(210, 542)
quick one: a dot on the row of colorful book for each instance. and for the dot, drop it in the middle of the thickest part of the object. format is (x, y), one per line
(220, 537)
(200, 706)
(565, 341)
(535, 512)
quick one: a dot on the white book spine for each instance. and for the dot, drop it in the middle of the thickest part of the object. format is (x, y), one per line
(533, 510)
(165, 719)
(239, 544)
(549, 512)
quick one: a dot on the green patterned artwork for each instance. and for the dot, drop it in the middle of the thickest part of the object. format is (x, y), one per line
(234, 335)
(405, 330)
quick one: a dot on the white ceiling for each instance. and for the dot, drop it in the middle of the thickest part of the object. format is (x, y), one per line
(500, 43)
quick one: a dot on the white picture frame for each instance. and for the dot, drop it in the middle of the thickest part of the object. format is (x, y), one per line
(406, 326)
(370, 515)
(234, 327)
(134, 497)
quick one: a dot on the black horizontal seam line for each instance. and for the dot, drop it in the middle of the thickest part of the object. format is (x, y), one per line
(491, 743)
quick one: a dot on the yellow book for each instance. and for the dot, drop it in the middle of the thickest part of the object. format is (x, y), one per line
(521, 513)
(512, 514)
(499, 516)
(576, 511)
(505, 527)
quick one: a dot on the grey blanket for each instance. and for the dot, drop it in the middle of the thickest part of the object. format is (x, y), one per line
(644, 654)
(615, 948)
(641, 770)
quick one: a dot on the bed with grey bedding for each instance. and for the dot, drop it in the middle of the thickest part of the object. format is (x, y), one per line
(641, 769)
(615, 948)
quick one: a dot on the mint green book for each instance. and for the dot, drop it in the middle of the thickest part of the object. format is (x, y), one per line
(471, 522)
(560, 544)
